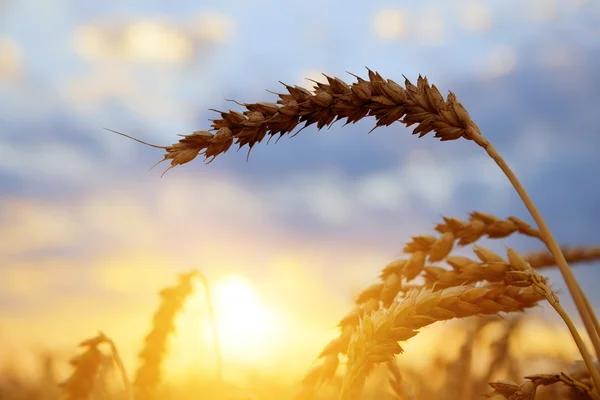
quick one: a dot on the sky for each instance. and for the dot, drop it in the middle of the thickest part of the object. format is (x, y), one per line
(89, 235)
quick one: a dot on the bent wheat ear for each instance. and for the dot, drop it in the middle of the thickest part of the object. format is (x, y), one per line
(86, 366)
(383, 99)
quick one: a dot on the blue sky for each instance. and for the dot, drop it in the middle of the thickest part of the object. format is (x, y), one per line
(75, 199)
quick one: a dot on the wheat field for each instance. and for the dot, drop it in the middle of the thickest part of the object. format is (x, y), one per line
(486, 296)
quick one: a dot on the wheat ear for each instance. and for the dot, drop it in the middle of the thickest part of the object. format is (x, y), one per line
(543, 259)
(507, 390)
(490, 267)
(80, 384)
(377, 337)
(148, 373)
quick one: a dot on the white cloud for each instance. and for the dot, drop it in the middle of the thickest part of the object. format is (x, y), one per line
(542, 10)
(46, 160)
(390, 23)
(500, 61)
(327, 195)
(214, 27)
(141, 40)
(561, 55)
(11, 59)
(476, 16)
(151, 40)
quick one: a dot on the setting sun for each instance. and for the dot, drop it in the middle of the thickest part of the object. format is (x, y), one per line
(247, 327)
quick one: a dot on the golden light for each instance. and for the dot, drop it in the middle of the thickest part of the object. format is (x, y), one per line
(248, 329)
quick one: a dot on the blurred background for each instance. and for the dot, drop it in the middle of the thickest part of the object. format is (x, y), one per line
(89, 236)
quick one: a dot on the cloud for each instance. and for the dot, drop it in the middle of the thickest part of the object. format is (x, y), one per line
(214, 27)
(430, 26)
(44, 160)
(390, 23)
(11, 59)
(476, 16)
(542, 10)
(141, 40)
(96, 260)
(147, 40)
(500, 61)
(561, 55)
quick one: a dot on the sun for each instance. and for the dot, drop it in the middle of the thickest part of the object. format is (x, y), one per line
(246, 326)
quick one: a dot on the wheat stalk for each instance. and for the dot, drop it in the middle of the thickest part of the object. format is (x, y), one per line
(388, 102)
(148, 373)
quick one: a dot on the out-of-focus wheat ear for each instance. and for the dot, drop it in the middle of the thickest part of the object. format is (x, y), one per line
(573, 254)
(80, 384)
(459, 378)
(148, 374)
(578, 372)
(500, 349)
(116, 357)
(511, 391)
(401, 390)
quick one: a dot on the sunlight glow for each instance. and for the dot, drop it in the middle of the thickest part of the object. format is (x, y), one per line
(247, 328)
